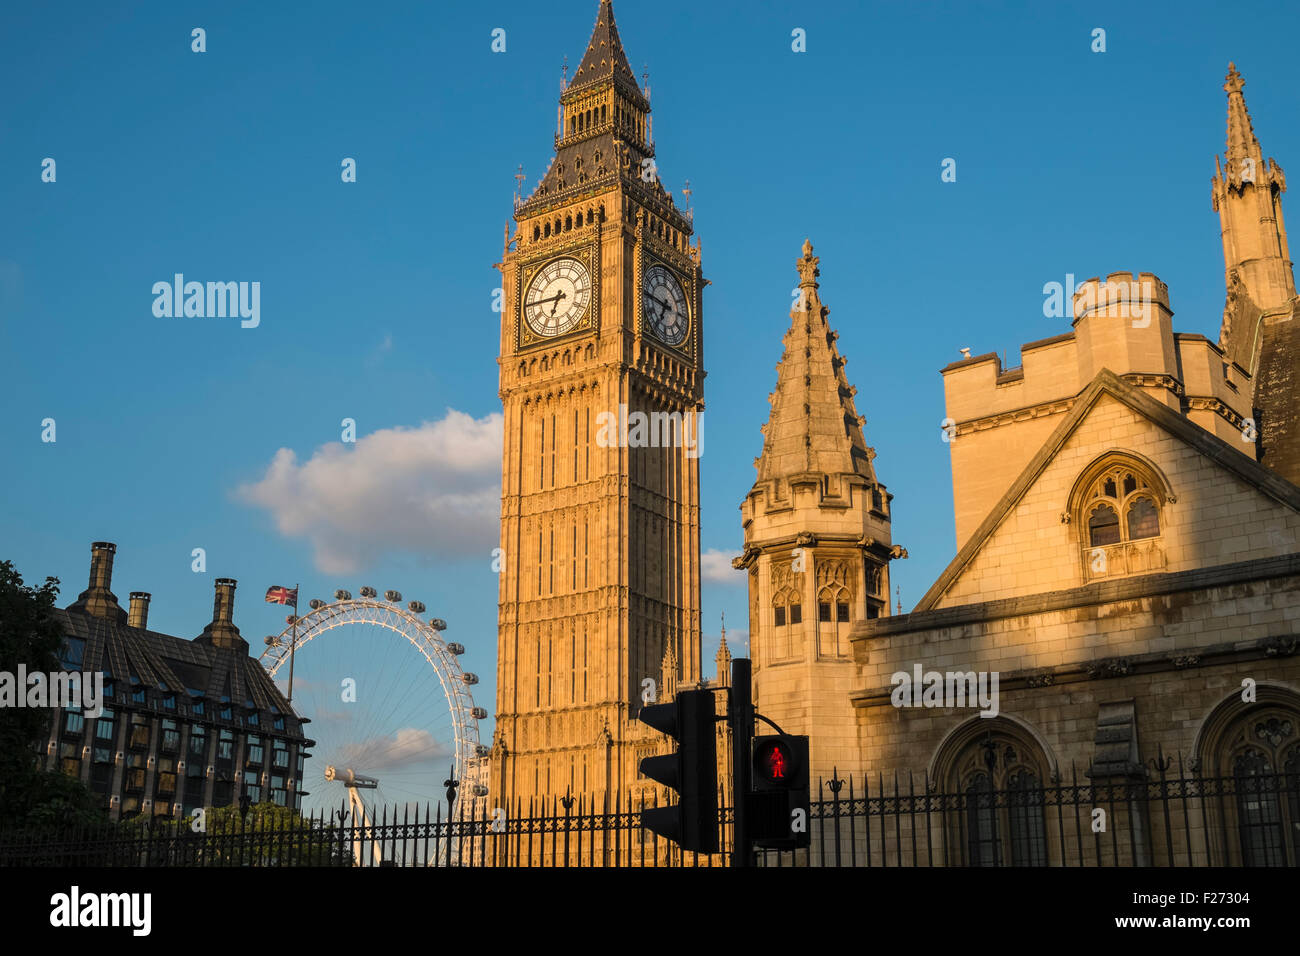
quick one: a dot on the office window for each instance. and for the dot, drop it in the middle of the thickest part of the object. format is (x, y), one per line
(252, 787)
(166, 777)
(171, 736)
(72, 652)
(138, 737)
(104, 729)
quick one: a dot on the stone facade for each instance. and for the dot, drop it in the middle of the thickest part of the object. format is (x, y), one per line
(1128, 567)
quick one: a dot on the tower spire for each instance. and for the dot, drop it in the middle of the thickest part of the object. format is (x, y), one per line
(813, 425)
(722, 659)
(1243, 155)
(1261, 307)
(605, 58)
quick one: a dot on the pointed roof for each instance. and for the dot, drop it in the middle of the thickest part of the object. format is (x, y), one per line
(605, 58)
(1108, 383)
(1242, 143)
(724, 653)
(813, 426)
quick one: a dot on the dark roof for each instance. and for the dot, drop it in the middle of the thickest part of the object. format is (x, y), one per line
(155, 659)
(605, 58)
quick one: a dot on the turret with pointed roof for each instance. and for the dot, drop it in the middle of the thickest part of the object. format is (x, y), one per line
(1247, 195)
(817, 536)
(1259, 331)
(813, 426)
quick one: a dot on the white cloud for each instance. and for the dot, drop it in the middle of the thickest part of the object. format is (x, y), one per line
(433, 490)
(410, 745)
(716, 566)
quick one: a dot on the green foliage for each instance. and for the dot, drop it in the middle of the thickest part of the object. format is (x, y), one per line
(268, 835)
(30, 636)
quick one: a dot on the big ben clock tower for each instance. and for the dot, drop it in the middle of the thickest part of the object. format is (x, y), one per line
(601, 378)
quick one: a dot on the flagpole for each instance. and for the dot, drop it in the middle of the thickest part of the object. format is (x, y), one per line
(293, 646)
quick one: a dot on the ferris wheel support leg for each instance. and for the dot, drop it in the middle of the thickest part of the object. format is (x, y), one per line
(366, 830)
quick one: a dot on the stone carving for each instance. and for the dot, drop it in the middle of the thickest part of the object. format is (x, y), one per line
(1109, 667)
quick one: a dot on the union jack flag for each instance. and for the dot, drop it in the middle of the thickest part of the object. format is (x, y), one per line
(279, 595)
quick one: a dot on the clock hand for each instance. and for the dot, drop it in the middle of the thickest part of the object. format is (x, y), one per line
(558, 296)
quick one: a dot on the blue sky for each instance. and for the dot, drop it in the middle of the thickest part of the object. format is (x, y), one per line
(376, 296)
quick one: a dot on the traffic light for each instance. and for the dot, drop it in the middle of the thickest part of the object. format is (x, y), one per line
(692, 771)
(778, 806)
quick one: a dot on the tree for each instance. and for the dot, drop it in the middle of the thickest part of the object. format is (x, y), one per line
(30, 637)
(267, 834)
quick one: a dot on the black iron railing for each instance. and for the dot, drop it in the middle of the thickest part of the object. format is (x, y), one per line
(1158, 820)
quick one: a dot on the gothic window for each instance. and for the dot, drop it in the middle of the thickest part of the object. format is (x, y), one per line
(996, 777)
(1117, 502)
(837, 581)
(1103, 526)
(786, 612)
(1143, 519)
(1262, 757)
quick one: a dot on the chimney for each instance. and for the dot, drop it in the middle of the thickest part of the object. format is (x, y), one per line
(139, 614)
(222, 631)
(98, 599)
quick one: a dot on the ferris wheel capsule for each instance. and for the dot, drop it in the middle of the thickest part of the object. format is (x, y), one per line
(272, 640)
(482, 750)
(480, 790)
(393, 597)
(415, 607)
(315, 603)
(369, 592)
(342, 595)
(455, 648)
(478, 713)
(438, 624)
(469, 678)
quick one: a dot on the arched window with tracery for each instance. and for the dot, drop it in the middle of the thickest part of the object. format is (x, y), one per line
(996, 778)
(1249, 757)
(1262, 756)
(834, 607)
(1117, 505)
(787, 614)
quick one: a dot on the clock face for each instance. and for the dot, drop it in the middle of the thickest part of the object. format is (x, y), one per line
(664, 305)
(558, 297)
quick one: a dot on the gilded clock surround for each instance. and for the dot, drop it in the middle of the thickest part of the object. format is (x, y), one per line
(587, 252)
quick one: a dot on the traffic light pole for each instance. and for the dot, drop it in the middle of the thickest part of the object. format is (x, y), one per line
(741, 716)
